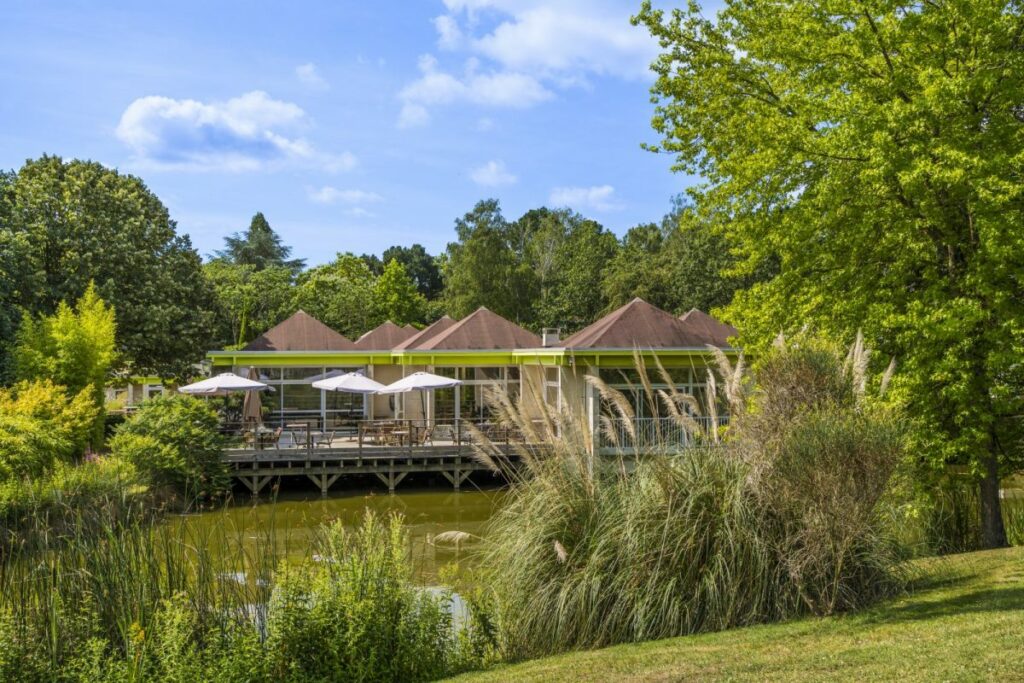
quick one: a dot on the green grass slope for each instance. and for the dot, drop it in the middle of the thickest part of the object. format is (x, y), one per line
(963, 621)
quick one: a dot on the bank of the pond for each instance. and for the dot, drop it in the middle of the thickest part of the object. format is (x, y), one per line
(963, 621)
(292, 520)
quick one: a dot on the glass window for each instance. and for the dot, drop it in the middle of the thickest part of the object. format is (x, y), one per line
(513, 374)
(305, 374)
(344, 403)
(488, 374)
(300, 398)
(444, 404)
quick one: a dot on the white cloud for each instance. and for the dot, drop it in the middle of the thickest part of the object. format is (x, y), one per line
(246, 133)
(531, 49)
(332, 195)
(485, 124)
(597, 197)
(492, 174)
(493, 89)
(449, 35)
(570, 39)
(310, 77)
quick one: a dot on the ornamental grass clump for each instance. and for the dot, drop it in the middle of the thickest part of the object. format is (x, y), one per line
(778, 515)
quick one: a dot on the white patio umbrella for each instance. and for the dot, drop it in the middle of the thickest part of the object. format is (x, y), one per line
(351, 382)
(420, 381)
(223, 384)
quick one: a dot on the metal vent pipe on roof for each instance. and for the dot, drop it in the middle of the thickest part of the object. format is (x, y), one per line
(550, 336)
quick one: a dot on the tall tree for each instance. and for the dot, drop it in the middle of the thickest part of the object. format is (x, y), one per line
(686, 262)
(65, 224)
(638, 270)
(481, 268)
(339, 294)
(419, 265)
(567, 254)
(877, 149)
(249, 301)
(259, 247)
(396, 298)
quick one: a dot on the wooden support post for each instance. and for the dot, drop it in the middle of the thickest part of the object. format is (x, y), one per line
(391, 478)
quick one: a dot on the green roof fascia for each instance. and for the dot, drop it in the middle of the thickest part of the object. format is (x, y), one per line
(473, 358)
(618, 358)
(267, 359)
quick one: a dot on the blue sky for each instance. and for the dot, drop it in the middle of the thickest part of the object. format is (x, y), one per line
(352, 125)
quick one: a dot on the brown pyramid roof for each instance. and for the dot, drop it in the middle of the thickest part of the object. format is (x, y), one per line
(481, 330)
(638, 324)
(384, 337)
(428, 332)
(717, 333)
(411, 329)
(301, 332)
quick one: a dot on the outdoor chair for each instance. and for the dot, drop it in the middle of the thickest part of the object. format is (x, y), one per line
(425, 434)
(285, 439)
(323, 439)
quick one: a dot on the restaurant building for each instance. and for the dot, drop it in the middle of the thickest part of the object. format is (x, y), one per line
(485, 352)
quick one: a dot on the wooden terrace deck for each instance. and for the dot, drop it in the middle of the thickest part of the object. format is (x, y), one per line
(326, 465)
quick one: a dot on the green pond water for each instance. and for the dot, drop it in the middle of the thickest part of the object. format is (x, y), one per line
(291, 522)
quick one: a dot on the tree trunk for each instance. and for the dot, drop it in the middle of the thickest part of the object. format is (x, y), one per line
(993, 533)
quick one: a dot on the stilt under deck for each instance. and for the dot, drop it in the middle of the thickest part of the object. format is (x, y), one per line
(325, 466)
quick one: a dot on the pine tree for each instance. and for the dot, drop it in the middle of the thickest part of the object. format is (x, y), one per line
(259, 247)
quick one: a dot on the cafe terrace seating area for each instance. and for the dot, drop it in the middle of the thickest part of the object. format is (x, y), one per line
(477, 355)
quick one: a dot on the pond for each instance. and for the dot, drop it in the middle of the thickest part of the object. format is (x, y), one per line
(292, 521)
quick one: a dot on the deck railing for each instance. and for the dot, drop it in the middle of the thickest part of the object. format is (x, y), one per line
(311, 434)
(654, 432)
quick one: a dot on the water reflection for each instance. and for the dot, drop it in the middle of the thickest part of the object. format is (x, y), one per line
(293, 519)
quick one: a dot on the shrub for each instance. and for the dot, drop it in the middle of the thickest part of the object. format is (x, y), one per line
(73, 347)
(174, 440)
(781, 517)
(27, 448)
(67, 420)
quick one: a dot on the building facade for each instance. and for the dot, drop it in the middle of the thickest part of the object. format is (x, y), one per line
(486, 353)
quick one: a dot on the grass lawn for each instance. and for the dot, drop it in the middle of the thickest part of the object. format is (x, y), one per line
(963, 621)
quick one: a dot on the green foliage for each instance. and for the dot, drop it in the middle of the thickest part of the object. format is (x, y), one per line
(73, 348)
(66, 224)
(174, 440)
(884, 181)
(259, 247)
(419, 265)
(44, 408)
(396, 298)
(567, 254)
(543, 270)
(784, 517)
(26, 448)
(355, 615)
(483, 269)
(58, 494)
(249, 301)
(685, 263)
(339, 294)
(129, 600)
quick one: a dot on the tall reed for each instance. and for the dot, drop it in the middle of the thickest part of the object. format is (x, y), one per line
(777, 517)
(136, 599)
